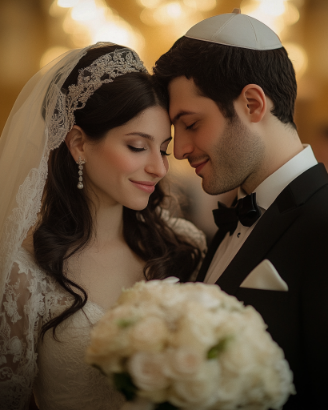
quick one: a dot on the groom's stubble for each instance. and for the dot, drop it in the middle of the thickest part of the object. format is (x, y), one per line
(237, 156)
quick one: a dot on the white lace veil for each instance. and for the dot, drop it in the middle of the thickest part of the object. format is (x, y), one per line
(25, 144)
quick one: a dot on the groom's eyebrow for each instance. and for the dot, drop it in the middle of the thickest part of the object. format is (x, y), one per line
(180, 114)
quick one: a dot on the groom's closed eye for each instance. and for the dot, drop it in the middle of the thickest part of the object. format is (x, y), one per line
(191, 126)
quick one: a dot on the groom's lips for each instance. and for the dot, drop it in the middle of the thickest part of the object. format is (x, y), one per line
(199, 166)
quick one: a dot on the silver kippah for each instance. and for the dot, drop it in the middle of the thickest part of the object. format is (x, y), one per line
(236, 30)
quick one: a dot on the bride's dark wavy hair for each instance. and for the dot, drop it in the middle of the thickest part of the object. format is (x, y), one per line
(66, 224)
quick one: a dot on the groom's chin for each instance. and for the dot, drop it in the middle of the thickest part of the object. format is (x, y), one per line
(213, 188)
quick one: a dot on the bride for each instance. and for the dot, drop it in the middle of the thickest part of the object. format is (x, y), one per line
(82, 215)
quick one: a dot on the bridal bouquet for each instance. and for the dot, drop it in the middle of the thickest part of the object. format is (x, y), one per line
(189, 346)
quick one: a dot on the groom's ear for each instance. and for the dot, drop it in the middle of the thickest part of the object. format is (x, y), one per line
(253, 102)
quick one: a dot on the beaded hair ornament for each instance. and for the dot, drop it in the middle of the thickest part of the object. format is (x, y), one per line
(103, 70)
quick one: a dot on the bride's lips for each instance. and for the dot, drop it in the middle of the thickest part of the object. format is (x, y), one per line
(199, 166)
(146, 186)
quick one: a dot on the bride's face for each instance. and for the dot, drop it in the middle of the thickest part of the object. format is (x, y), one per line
(124, 167)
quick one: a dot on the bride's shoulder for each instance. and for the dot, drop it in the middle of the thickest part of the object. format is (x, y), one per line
(33, 288)
(187, 229)
(25, 269)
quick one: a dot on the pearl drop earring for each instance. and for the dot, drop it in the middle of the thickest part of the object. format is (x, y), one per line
(80, 172)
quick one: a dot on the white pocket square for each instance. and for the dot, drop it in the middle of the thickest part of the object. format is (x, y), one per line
(266, 277)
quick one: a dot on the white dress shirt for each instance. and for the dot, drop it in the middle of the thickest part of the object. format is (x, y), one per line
(266, 193)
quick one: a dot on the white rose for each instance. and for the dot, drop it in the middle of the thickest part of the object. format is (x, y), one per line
(205, 295)
(147, 308)
(102, 337)
(212, 297)
(133, 295)
(198, 392)
(111, 334)
(239, 357)
(183, 362)
(149, 334)
(172, 295)
(146, 370)
(171, 279)
(279, 387)
(195, 330)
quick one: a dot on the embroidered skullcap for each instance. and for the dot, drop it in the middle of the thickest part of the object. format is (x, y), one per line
(236, 30)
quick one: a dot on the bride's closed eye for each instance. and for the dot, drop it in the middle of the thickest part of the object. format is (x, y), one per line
(135, 149)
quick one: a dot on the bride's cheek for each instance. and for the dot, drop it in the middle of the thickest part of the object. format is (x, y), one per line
(117, 160)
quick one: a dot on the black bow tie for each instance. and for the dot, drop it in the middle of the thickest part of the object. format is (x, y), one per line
(246, 211)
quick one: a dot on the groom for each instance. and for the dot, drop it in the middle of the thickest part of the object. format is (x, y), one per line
(232, 91)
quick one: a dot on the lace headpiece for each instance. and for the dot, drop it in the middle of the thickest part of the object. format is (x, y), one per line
(101, 71)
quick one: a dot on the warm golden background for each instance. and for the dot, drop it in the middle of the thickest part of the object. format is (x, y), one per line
(33, 32)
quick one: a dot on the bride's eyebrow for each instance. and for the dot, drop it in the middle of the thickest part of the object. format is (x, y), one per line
(147, 136)
(143, 135)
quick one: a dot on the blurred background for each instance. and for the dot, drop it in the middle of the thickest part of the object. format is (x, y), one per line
(33, 32)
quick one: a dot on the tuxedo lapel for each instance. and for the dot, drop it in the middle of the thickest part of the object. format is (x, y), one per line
(271, 226)
(218, 238)
(215, 243)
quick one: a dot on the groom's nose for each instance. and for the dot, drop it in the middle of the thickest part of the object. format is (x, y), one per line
(182, 145)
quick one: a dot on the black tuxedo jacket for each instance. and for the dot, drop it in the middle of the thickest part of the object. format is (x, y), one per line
(293, 235)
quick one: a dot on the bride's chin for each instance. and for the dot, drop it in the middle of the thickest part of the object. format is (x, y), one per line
(140, 207)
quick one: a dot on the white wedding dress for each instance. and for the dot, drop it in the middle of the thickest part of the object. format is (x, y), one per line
(54, 370)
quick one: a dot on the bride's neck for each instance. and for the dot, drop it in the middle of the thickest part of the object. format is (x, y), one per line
(108, 223)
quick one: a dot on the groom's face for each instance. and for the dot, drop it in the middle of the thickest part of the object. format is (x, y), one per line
(223, 151)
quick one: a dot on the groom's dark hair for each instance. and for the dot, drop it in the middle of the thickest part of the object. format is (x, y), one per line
(221, 72)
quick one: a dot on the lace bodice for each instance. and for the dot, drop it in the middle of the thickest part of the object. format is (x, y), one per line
(55, 370)
(64, 380)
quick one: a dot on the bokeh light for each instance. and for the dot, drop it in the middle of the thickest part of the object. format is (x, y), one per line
(277, 14)
(51, 54)
(298, 57)
(67, 3)
(150, 4)
(89, 21)
(86, 10)
(201, 5)
(168, 12)
(272, 8)
(292, 15)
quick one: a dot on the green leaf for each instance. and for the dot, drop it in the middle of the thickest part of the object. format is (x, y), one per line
(123, 382)
(122, 323)
(216, 350)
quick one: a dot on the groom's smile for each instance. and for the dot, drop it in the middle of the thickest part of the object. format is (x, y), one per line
(198, 166)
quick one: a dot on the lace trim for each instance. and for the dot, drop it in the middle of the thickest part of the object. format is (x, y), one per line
(31, 299)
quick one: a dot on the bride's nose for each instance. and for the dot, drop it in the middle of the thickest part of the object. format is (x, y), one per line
(157, 165)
